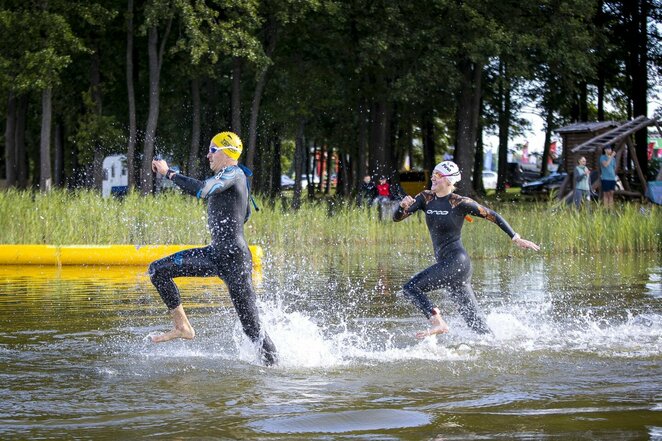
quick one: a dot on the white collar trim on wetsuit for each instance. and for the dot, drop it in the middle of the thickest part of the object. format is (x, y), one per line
(223, 170)
(220, 173)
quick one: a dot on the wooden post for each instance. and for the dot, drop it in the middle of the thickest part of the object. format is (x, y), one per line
(642, 178)
(564, 185)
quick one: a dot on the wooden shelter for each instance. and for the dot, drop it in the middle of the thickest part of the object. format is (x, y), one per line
(588, 140)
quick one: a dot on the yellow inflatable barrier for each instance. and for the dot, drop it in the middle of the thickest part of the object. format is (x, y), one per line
(126, 255)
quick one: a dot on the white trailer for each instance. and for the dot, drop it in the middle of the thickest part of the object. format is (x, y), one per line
(115, 176)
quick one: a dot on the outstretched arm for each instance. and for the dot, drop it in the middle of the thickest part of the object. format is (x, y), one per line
(189, 185)
(408, 205)
(474, 208)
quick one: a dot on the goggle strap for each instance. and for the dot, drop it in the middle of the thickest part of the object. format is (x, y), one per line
(227, 147)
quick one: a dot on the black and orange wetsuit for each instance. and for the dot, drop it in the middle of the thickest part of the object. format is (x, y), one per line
(228, 256)
(444, 217)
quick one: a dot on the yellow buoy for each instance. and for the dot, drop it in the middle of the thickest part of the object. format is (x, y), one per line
(97, 254)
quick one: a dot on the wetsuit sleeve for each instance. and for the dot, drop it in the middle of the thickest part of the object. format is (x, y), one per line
(219, 184)
(401, 213)
(204, 189)
(189, 185)
(469, 206)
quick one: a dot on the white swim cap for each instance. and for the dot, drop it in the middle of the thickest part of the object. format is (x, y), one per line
(449, 170)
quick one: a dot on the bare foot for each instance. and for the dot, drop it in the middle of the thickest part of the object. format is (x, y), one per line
(187, 333)
(439, 326)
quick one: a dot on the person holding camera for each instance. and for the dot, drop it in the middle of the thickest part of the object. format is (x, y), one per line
(608, 175)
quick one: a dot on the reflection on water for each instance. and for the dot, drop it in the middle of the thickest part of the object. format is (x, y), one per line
(576, 353)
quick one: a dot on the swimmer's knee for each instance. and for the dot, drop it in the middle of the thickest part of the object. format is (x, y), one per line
(410, 288)
(154, 269)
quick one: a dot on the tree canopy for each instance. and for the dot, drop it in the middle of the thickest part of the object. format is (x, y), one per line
(368, 85)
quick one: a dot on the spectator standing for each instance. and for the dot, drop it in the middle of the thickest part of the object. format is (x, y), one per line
(581, 177)
(383, 191)
(608, 175)
(367, 191)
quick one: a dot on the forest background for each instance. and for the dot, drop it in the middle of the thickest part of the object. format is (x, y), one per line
(375, 83)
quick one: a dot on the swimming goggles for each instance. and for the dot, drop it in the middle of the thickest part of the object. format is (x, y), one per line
(213, 149)
(439, 175)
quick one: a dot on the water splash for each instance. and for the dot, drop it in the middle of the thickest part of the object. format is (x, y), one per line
(311, 340)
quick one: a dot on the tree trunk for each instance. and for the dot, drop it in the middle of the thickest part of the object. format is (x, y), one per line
(131, 145)
(398, 142)
(329, 169)
(601, 95)
(427, 127)
(311, 168)
(299, 158)
(194, 153)
(362, 168)
(637, 12)
(11, 168)
(236, 96)
(45, 145)
(155, 56)
(209, 92)
(257, 96)
(275, 189)
(504, 117)
(344, 172)
(19, 141)
(380, 152)
(583, 101)
(99, 150)
(74, 180)
(549, 121)
(58, 180)
(574, 108)
(478, 186)
(600, 23)
(406, 139)
(146, 177)
(261, 174)
(255, 110)
(467, 123)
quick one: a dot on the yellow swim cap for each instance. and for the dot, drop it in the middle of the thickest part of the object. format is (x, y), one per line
(230, 143)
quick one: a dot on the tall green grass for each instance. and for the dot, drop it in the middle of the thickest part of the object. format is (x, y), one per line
(84, 217)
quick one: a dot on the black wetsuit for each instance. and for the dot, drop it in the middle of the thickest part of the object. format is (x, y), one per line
(445, 217)
(228, 256)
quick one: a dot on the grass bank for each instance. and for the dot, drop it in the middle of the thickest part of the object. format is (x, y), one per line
(84, 217)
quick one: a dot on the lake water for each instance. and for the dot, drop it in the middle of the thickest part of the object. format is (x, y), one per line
(576, 354)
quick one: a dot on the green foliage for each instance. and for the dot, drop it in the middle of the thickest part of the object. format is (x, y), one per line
(84, 217)
(287, 153)
(96, 131)
(35, 59)
(331, 62)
